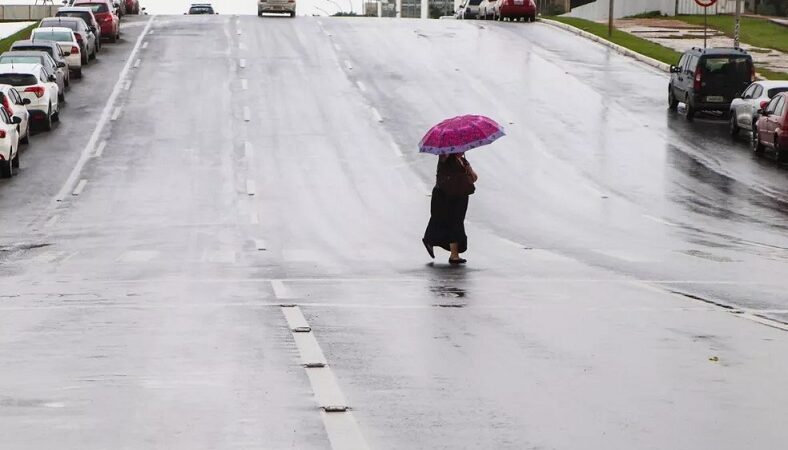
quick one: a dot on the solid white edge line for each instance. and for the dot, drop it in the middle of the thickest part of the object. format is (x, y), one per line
(116, 113)
(244, 84)
(100, 149)
(361, 86)
(281, 291)
(247, 114)
(376, 114)
(250, 187)
(52, 220)
(102, 122)
(80, 187)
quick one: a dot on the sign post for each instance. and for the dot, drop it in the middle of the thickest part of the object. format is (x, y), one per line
(738, 24)
(705, 4)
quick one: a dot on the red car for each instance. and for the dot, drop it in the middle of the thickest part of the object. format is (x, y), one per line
(108, 21)
(515, 10)
(771, 129)
(132, 6)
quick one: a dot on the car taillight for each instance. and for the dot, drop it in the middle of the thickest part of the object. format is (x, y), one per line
(2, 134)
(698, 79)
(74, 50)
(7, 106)
(38, 90)
(79, 37)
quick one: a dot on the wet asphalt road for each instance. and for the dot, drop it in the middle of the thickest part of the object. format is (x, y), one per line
(257, 162)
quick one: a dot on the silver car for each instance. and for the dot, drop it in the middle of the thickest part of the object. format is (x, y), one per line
(744, 108)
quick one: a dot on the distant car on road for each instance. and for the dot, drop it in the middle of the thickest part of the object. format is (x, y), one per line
(276, 6)
(470, 9)
(515, 10)
(487, 10)
(87, 15)
(15, 106)
(45, 60)
(88, 43)
(201, 8)
(33, 83)
(709, 79)
(744, 109)
(9, 144)
(107, 19)
(52, 49)
(132, 6)
(771, 129)
(67, 41)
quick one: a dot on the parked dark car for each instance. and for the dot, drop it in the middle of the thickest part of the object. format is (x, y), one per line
(771, 129)
(709, 79)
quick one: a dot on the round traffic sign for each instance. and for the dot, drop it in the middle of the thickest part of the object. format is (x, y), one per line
(705, 3)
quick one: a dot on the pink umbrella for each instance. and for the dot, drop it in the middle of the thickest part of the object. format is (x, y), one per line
(460, 134)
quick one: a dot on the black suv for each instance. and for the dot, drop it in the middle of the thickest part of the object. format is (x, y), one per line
(709, 79)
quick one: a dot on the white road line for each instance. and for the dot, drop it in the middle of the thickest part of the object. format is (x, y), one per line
(137, 63)
(127, 85)
(247, 114)
(659, 220)
(260, 245)
(150, 32)
(100, 149)
(244, 84)
(281, 291)
(115, 114)
(348, 65)
(102, 122)
(242, 63)
(239, 32)
(361, 86)
(342, 429)
(337, 47)
(241, 46)
(376, 115)
(52, 221)
(254, 218)
(145, 45)
(247, 149)
(80, 187)
(397, 151)
(250, 187)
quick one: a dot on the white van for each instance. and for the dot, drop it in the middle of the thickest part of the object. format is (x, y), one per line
(276, 6)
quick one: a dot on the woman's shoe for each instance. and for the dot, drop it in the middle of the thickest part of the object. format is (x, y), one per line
(457, 261)
(429, 248)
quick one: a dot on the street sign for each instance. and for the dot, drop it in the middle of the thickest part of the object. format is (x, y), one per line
(705, 3)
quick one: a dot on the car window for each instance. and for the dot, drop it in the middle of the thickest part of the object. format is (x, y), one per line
(43, 75)
(693, 64)
(4, 116)
(772, 105)
(57, 36)
(33, 48)
(15, 96)
(750, 91)
(96, 7)
(57, 23)
(18, 79)
(683, 61)
(758, 92)
(774, 91)
(24, 59)
(778, 110)
(727, 66)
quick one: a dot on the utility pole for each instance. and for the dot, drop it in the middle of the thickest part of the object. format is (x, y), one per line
(610, 20)
(425, 9)
(738, 24)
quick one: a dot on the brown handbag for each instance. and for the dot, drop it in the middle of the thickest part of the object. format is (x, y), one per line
(456, 183)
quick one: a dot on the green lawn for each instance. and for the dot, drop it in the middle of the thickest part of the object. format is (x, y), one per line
(5, 44)
(656, 51)
(757, 32)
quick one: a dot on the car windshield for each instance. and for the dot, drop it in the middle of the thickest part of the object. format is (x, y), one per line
(32, 48)
(96, 7)
(18, 79)
(57, 36)
(727, 66)
(58, 23)
(774, 91)
(12, 59)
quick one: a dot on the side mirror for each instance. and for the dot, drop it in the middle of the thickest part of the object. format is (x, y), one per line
(61, 64)
(52, 78)
(16, 120)
(764, 104)
(675, 69)
(761, 112)
(25, 101)
(66, 53)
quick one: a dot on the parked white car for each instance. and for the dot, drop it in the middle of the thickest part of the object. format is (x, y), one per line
(756, 96)
(9, 144)
(33, 83)
(68, 43)
(16, 106)
(469, 9)
(487, 9)
(276, 6)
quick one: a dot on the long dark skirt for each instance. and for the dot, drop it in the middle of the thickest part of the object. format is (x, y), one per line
(447, 221)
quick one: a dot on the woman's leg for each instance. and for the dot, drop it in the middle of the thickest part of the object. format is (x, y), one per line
(455, 250)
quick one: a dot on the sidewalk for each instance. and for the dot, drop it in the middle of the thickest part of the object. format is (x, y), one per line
(681, 36)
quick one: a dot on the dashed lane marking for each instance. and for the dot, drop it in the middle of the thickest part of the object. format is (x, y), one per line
(247, 114)
(250, 189)
(244, 84)
(52, 221)
(361, 86)
(80, 187)
(115, 114)
(281, 291)
(242, 63)
(254, 218)
(137, 63)
(247, 149)
(100, 149)
(396, 149)
(337, 47)
(342, 429)
(103, 119)
(376, 115)
(260, 245)
(145, 45)
(127, 85)
(348, 65)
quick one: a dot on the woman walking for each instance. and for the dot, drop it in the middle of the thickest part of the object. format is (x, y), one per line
(455, 179)
(454, 182)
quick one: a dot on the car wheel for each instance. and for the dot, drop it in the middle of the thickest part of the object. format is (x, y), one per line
(15, 162)
(734, 126)
(778, 152)
(78, 73)
(689, 110)
(673, 104)
(757, 147)
(113, 39)
(48, 120)
(6, 170)
(26, 139)
(61, 96)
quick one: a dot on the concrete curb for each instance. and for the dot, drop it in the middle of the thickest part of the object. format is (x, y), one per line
(623, 50)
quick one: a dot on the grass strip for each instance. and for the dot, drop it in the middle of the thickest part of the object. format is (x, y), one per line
(753, 31)
(24, 33)
(646, 47)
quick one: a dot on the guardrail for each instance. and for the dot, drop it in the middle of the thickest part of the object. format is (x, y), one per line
(27, 12)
